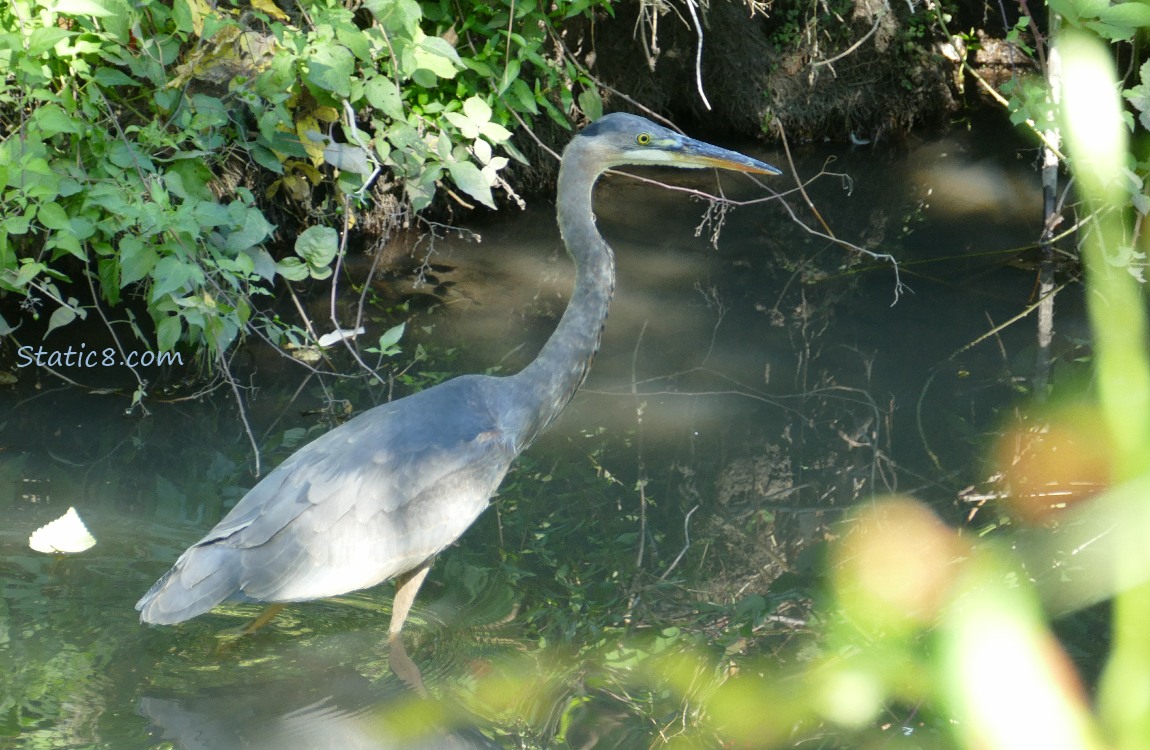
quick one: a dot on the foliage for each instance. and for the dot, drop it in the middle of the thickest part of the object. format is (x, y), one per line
(151, 149)
(1031, 98)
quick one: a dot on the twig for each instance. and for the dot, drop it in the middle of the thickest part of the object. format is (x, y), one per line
(334, 292)
(853, 47)
(686, 543)
(642, 476)
(698, 52)
(140, 386)
(227, 374)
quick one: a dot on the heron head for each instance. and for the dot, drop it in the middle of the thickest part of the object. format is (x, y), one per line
(620, 138)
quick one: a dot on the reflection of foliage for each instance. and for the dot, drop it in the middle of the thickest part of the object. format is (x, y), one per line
(53, 692)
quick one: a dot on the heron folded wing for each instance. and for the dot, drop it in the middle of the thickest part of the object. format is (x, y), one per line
(202, 578)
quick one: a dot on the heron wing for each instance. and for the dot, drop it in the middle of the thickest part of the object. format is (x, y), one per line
(370, 499)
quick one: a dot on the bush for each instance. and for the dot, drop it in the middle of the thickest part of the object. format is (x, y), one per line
(151, 148)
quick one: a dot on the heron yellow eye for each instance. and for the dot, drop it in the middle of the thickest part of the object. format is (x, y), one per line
(643, 139)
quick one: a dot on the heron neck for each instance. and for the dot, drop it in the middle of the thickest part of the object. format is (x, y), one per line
(562, 364)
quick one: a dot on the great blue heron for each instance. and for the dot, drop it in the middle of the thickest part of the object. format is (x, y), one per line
(381, 495)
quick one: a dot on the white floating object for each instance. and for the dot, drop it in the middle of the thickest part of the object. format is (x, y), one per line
(66, 535)
(338, 335)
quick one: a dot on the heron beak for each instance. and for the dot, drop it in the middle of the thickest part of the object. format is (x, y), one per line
(692, 153)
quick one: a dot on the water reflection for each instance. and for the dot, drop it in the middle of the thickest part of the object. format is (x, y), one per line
(330, 708)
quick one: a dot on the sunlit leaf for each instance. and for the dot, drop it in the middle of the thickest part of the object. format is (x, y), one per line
(269, 7)
(495, 132)
(467, 128)
(440, 47)
(477, 110)
(80, 8)
(396, 15)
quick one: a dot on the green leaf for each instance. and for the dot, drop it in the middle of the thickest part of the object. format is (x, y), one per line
(401, 16)
(113, 77)
(317, 245)
(210, 214)
(82, 227)
(61, 316)
(136, 260)
(27, 272)
(470, 180)
(1065, 8)
(382, 93)
(253, 230)
(67, 242)
(478, 66)
(510, 76)
(108, 271)
(267, 158)
(330, 67)
(52, 119)
(389, 339)
(424, 78)
(348, 158)
(591, 102)
(263, 265)
(52, 216)
(169, 275)
(1090, 8)
(554, 113)
(355, 40)
(45, 38)
(1111, 32)
(523, 97)
(292, 269)
(168, 332)
(440, 47)
(17, 224)
(436, 55)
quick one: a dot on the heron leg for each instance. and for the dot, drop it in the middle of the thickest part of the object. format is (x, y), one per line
(264, 618)
(406, 587)
(403, 667)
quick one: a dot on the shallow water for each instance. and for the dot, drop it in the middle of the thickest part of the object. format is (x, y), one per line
(714, 356)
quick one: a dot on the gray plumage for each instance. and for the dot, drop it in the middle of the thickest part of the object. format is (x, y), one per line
(381, 495)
